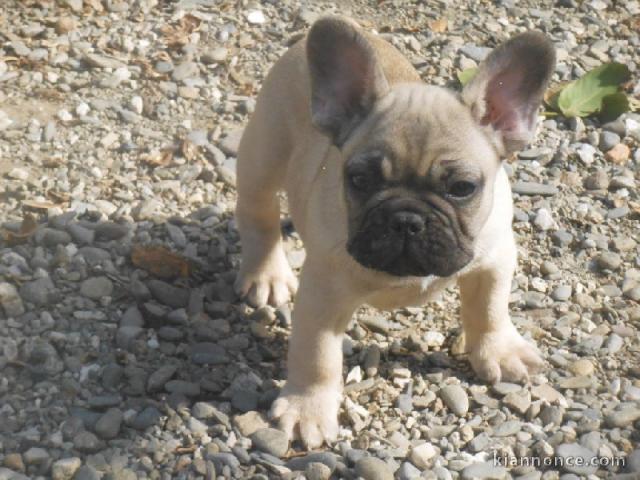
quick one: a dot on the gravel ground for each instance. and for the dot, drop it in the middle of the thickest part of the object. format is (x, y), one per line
(119, 124)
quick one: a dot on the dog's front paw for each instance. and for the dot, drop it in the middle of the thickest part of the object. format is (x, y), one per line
(504, 355)
(308, 414)
(272, 283)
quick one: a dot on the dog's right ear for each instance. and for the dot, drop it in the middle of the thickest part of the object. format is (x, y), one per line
(346, 77)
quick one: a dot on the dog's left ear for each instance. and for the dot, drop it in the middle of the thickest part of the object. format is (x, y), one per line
(507, 90)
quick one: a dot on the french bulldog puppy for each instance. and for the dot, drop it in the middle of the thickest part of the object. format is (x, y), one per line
(397, 190)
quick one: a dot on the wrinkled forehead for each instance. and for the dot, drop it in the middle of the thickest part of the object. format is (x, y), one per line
(418, 126)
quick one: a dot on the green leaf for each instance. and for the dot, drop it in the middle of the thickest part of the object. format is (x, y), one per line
(466, 75)
(584, 96)
(613, 106)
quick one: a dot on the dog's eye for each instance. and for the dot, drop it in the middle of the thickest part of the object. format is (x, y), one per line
(462, 189)
(359, 181)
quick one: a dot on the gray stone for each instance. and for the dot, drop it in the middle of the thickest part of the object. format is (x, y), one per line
(96, 287)
(576, 459)
(35, 456)
(455, 398)
(300, 463)
(475, 52)
(485, 470)
(108, 426)
(87, 472)
(622, 418)
(231, 142)
(561, 293)
(272, 441)
(609, 261)
(531, 188)
(407, 472)
(185, 70)
(146, 418)
(208, 353)
(169, 295)
(87, 442)
(189, 389)
(479, 443)
(608, 140)
(40, 292)
(372, 468)
(317, 471)
(508, 428)
(160, 377)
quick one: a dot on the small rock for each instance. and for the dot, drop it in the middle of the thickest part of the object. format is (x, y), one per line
(65, 468)
(561, 293)
(372, 468)
(483, 471)
(622, 418)
(249, 423)
(10, 300)
(256, 17)
(456, 399)
(577, 459)
(582, 367)
(618, 155)
(96, 288)
(531, 188)
(609, 261)
(108, 426)
(317, 471)
(544, 220)
(271, 441)
(35, 456)
(423, 455)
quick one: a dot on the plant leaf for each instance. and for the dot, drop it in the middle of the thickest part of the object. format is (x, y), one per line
(584, 96)
(613, 106)
(466, 75)
(160, 261)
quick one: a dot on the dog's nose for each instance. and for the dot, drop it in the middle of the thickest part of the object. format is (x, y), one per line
(408, 223)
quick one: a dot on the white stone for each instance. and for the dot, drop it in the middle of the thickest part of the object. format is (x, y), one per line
(544, 220)
(256, 17)
(64, 115)
(82, 109)
(137, 104)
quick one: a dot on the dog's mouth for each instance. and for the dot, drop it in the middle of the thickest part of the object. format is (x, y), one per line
(419, 244)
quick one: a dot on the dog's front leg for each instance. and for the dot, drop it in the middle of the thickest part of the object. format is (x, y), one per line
(308, 405)
(496, 350)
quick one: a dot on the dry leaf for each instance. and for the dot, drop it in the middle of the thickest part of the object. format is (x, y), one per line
(160, 261)
(188, 150)
(158, 158)
(27, 229)
(178, 36)
(37, 205)
(52, 162)
(439, 26)
(58, 197)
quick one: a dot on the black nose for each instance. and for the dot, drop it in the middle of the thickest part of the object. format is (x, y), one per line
(408, 223)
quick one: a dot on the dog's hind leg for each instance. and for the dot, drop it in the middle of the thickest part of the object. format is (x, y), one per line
(265, 276)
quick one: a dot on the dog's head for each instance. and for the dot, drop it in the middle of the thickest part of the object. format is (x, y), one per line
(419, 162)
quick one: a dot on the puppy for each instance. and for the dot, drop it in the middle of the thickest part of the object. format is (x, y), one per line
(397, 190)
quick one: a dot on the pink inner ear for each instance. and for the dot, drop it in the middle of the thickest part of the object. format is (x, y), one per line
(505, 106)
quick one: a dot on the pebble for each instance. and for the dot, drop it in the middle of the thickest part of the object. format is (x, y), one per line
(544, 220)
(10, 300)
(108, 426)
(456, 399)
(609, 261)
(96, 288)
(35, 456)
(570, 453)
(271, 441)
(619, 154)
(317, 471)
(423, 455)
(531, 188)
(622, 418)
(372, 468)
(485, 470)
(65, 468)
